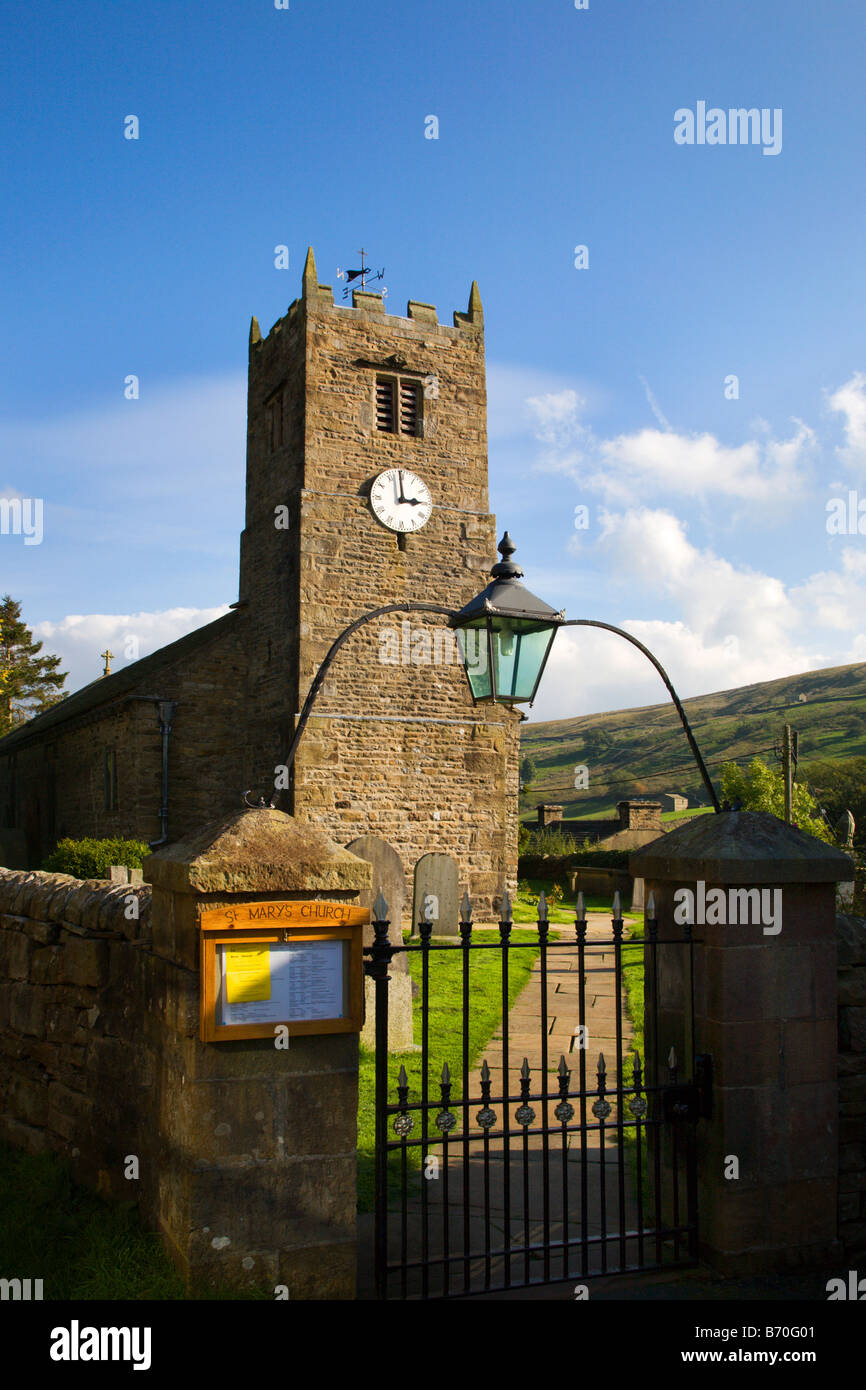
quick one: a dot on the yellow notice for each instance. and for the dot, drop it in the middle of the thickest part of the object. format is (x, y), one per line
(248, 974)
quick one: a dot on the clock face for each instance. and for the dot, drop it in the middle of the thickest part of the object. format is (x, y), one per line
(400, 500)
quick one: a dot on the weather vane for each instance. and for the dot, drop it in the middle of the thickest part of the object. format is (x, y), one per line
(364, 274)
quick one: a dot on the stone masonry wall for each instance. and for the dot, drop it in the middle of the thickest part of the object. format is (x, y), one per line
(403, 754)
(80, 1045)
(54, 784)
(246, 1154)
(640, 815)
(851, 941)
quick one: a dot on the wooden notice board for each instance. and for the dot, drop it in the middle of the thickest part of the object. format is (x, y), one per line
(267, 967)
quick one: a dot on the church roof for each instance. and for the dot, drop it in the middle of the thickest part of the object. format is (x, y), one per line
(110, 689)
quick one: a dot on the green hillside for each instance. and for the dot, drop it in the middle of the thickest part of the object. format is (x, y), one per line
(641, 752)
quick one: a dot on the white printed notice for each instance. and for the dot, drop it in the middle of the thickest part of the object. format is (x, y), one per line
(306, 982)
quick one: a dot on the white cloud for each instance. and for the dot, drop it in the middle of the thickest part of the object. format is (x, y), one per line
(654, 405)
(849, 400)
(733, 625)
(510, 391)
(629, 467)
(79, 639)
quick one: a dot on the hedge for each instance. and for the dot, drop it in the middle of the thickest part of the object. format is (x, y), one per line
(550, 866)
(91, 858)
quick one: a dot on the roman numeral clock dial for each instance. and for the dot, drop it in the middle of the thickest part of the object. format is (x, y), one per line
(401, 500)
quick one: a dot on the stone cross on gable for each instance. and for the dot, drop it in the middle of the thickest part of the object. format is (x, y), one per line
(107, 655)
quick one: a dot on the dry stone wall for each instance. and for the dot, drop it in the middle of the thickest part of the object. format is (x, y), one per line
(851, 943)
(82, 1019)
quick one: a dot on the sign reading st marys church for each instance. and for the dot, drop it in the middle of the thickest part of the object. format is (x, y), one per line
(294, 966)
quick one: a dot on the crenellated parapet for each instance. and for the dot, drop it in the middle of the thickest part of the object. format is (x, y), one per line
(316, 297)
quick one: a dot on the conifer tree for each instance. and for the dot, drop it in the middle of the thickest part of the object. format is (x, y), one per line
(29, 682)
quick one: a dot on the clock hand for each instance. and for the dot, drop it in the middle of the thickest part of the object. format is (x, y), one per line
(401, 498)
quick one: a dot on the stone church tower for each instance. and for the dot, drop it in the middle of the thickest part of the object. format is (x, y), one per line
(338, 397)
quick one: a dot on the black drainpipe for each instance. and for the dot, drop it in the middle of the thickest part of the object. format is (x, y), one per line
(165, 712)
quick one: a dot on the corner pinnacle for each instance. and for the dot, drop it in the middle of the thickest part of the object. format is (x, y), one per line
(311, 278)
(474, 316)
(255, 331)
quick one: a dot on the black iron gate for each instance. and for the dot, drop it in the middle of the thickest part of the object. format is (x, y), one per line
(563, 1169)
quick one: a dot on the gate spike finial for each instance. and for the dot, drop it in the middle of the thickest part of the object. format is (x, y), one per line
(580, 910)
(651, 905)
(601, 1064)
(446, 1074)
(617, 904)
(542, 907)
(402, 1079)
(562, 1068)
(466, 907)
(672, 1059)
(380, 907)
(485, 1071)
(524, 1070)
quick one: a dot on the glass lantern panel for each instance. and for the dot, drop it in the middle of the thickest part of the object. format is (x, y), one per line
(472, 645)
(521, 655)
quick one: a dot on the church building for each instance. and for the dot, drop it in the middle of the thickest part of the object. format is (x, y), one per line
(366, 485)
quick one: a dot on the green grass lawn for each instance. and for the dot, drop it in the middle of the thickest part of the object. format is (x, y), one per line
(446, 1009)
(80, 1246)
(525, 905)
(446, 1038)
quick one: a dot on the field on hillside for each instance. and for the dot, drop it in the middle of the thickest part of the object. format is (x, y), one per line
(641, 752)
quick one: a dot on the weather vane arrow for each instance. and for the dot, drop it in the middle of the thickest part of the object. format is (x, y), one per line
(365, 274)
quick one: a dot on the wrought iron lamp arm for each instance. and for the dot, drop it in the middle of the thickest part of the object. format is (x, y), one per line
(591, 622)
(322, 672)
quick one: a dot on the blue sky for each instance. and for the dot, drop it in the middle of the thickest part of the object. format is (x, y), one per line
(707, 530)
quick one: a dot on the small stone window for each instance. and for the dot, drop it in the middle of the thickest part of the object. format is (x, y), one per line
(398, 405)
(110, 779)
(274, 420)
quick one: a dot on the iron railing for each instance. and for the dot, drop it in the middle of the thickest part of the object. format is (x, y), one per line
(528, 1174)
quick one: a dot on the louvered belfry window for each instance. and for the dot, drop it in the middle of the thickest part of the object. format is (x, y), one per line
(385, 412)
(409, 412)
(398, 405)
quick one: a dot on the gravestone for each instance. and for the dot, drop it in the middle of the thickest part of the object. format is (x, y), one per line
(389, 876)
(436, 887)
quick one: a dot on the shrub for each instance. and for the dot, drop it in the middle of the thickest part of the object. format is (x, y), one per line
(549, 840)
(761, 788)
(91, 858)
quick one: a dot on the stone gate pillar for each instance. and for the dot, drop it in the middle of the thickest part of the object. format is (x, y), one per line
(765, 1011)
(257, 1146)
